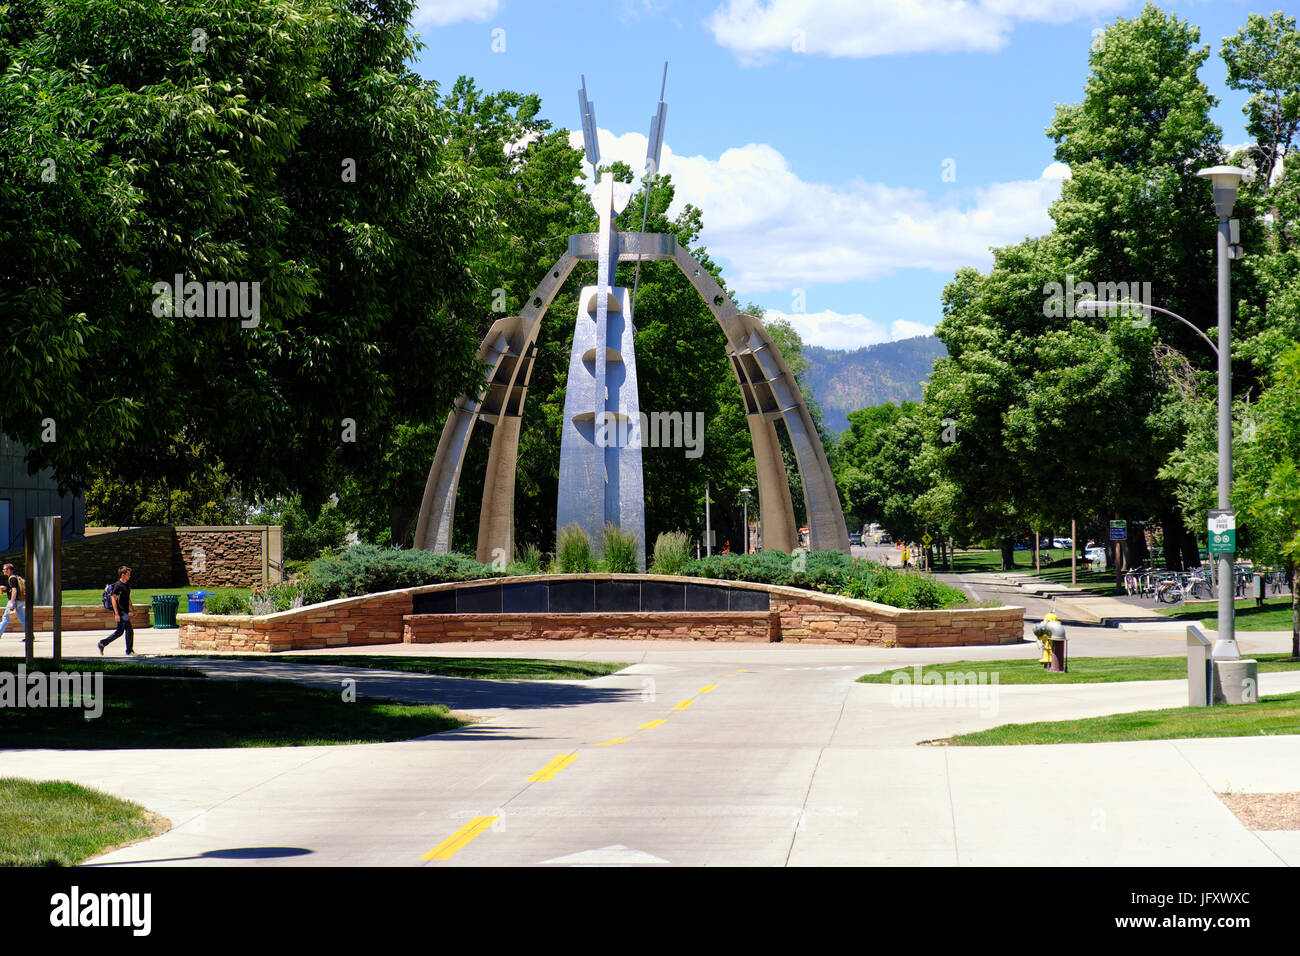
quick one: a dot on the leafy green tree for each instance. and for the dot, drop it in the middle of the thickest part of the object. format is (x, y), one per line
(1267, 485)
(308, 533)
(879, 470)
(1055, 414)
(207, 497)
(1263, 58)
(279, 142)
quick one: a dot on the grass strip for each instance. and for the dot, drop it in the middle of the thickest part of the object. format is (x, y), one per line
(53, 823)
(1272, 716)
(1083, 670)
(92, 665)
(145, 713)
(1275, 615)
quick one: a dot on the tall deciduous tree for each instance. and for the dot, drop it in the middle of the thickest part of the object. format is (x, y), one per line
(282, 145)
(1263, 58)
(1267, 485)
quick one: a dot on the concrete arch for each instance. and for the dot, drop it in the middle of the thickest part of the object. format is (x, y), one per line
(767, 387)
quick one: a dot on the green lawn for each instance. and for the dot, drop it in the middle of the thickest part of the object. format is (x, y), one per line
(159, 712)
(1271, 716)
(482, 668)
(1083, 670)
(52, 823)
(1275, 615)
(92, 664)
(1093, 582)
(141, 597)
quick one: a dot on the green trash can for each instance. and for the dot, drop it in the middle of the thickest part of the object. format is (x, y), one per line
(164, 609)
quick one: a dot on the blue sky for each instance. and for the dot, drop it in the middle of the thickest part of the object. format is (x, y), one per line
(821, 170)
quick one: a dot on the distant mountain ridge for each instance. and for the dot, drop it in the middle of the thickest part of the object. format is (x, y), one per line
(843, 381)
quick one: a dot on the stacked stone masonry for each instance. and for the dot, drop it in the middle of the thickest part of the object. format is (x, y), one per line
(172, 557)
(795, 617)
(644, 625)
(85, 617)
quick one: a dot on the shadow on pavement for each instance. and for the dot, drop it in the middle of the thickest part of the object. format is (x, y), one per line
(458, 693)
(234, 853)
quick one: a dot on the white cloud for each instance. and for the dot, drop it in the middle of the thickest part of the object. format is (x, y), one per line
(440, 13)
(863, 28)
(776, 231)
(903, 329)
(841, 330)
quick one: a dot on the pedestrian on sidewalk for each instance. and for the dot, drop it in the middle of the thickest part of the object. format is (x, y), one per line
(17, 596)
(121, 596)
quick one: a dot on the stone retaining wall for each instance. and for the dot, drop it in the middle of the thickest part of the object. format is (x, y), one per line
(640, 625)
(172, 557)
(82, 617)
(829, 620)
(796, 616)
(226, 556)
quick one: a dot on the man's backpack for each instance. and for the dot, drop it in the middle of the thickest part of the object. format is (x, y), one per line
(108, 596)
(22, 587)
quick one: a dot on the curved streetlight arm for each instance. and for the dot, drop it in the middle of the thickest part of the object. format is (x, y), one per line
(1098, 305)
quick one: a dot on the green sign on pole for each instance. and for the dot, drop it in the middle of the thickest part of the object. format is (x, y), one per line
(1222, 527)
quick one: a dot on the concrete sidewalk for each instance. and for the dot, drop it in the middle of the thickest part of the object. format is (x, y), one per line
(712, 759)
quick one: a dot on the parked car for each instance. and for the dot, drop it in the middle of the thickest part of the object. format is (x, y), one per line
(886, 539)
(855, 538)
(1062, 543)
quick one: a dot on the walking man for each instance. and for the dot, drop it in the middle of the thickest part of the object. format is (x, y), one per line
(17, 596)
(121, 595)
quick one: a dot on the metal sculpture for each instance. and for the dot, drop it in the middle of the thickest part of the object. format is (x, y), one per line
(601, 480)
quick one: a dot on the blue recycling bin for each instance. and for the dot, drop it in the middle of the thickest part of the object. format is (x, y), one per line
(196, 601)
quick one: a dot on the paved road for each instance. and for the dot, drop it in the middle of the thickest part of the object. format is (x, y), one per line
(705, 755)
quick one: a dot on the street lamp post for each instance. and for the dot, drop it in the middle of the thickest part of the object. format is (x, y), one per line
(1226, 179)
(746, 492)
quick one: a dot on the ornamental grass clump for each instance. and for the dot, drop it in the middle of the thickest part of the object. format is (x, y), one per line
(530, 559)
(618, 550)
(672, 552)
(572, 551)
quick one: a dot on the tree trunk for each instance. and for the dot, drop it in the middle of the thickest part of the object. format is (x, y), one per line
(1121, 553)
(1191, 553)
(1139, 554)
(1172, 527)
(1008, 554)
(1293, 572)
(401, 526)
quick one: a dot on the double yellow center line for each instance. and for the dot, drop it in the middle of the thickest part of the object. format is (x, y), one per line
(466, 834)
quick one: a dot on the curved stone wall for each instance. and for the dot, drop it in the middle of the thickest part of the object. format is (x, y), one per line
(600, 606)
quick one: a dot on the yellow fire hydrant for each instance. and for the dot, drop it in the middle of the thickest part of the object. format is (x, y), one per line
(1051, 634)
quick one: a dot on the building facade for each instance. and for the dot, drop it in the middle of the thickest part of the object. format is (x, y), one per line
(24, 496)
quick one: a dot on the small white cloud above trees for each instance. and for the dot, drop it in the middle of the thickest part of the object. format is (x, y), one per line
(757, 30)
(440, 13)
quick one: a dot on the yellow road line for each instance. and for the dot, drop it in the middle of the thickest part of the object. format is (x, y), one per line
(705, 690)
(683, 704)
(460, 839)
(653, 724)
(552, 768)
(616, 740)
